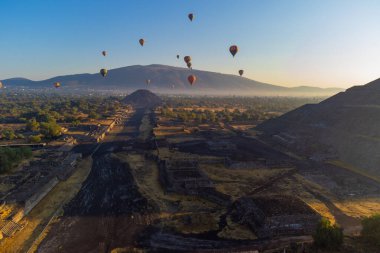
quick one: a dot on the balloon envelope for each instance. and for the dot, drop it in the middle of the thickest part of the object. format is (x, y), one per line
(1, 85)
(57, 84)
(189, 65)
(177, 56)
(192, 79)
(241, 72)
(104, 53)
(142, 41)
(191, 16)
(187, 59)
(103, 72)
(234, 49)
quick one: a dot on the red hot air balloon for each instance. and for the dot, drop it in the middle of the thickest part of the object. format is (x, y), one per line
(141, 41)
(192, 79)
(191, 16)
(187, 59)
(241, 72)
(233, 50)
(104, 53)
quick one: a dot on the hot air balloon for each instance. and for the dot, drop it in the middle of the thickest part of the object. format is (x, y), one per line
(192, 79)
(187, 59)
(1, 85)
(147, 81)
(189, 65)
(233, 50)
(57, 84)
(191, 16)
(103, 72)
(177, 56)
(104, 53)
(142, 41)
(241, 72)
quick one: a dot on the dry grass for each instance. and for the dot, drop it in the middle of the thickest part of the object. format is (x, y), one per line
(359, 208)
(354, 169)
(39, 216)
(174, 207)
(238, 182)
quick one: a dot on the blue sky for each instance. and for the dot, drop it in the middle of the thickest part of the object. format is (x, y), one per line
(287, 42)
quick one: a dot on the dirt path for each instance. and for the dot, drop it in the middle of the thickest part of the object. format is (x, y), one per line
(349, 224)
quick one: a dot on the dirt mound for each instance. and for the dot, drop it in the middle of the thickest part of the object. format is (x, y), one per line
(143, 99)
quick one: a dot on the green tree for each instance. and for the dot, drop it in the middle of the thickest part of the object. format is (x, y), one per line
(32, 125)
(35, 138)
(8, 134)
(371, 229)
(328, 236)
(50, 129)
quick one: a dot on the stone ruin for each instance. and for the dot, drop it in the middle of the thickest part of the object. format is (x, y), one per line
(183, 175)
(274, 216)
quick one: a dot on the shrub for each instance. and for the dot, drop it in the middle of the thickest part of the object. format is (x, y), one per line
(371, 229)
(328, 236)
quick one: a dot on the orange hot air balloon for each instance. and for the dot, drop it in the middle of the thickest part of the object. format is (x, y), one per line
(189, 65)
(191, 16)
(241, 72)
(233, 50)
(104, 53)
(141, 41)
(57, 84)
(187, 59)
(103, 72)
(192, 79)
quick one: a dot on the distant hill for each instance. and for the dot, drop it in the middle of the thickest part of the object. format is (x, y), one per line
(142, 99)
(167, 79)
(347, 124)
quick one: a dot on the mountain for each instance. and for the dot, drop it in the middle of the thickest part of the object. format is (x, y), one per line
(169, 79)
(346, 125)
(143, 99)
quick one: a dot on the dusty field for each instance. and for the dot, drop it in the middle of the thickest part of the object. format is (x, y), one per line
(239, 182)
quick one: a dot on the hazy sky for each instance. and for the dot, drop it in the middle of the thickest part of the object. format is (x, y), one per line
(287, 42)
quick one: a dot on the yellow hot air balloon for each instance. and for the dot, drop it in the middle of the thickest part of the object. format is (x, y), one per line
(103, 72)
(57, 84)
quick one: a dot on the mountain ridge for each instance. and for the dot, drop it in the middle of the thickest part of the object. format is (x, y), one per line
(170, 79)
